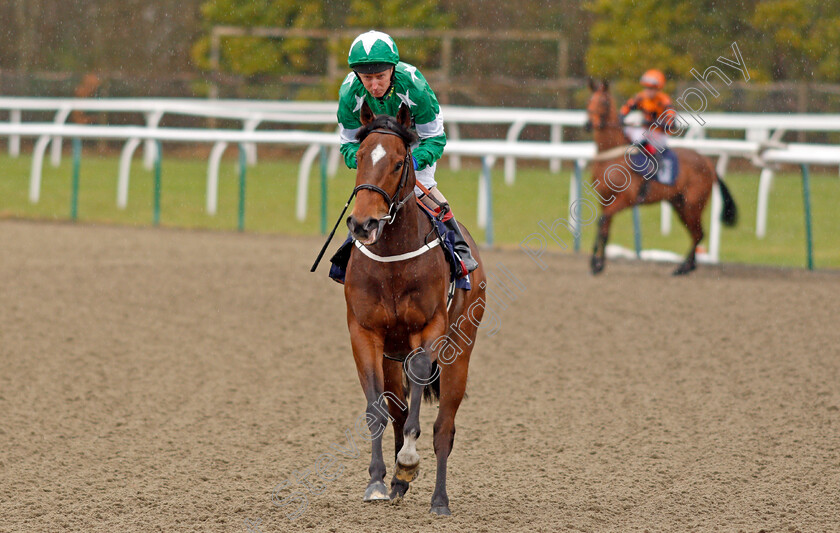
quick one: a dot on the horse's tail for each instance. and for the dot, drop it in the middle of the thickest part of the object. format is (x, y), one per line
(729, 216)
(431, 392)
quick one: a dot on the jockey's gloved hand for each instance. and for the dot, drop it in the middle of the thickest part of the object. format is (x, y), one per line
(587, 125)
(415, 162)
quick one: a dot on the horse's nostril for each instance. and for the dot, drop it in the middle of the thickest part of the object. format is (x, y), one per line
(361, 230)
(353, 224)
(370, 224)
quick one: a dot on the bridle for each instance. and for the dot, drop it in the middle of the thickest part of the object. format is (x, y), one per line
(394, 205)
(603, 116)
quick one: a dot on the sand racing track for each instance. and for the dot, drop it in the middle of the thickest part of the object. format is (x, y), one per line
(168, 380)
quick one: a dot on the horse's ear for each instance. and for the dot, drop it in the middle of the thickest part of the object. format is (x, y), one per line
(404, 116)
(366, 115)
(592, 85)
(605, 85)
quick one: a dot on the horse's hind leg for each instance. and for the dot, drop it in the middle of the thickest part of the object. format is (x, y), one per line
(419, 370)
(600, 249)
(691, 216)
(398, 412)
(453, 380)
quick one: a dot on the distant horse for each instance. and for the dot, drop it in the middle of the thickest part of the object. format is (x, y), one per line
(397, 309)
(689, 193)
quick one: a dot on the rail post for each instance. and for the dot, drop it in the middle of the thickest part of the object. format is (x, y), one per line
(74, 195)
(579, 195)
(806, 199)
(323, 165)
(637, 231)
(243, 165)
(157, 187)
(486, 163)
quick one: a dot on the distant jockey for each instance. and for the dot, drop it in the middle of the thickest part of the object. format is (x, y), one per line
(652, 102)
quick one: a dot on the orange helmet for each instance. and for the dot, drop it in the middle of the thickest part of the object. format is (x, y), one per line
(653, 79)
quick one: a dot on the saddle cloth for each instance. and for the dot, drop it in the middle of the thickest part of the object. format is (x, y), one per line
(669, 167)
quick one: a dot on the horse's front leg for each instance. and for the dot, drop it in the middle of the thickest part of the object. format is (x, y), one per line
(599, 252)
(418, 367)
(367, 351)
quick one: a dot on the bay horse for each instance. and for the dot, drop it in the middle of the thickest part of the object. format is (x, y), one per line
(397, 309)
(688, 195)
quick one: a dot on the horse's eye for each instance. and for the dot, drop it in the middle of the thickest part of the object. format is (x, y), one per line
(399, 165)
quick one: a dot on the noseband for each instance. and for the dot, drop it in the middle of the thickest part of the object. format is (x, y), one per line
(394, 205)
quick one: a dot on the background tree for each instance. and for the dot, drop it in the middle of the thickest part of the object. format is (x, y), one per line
(161, 47)
(383, 14)
(256, 55)
(802, 39)
(629, 37)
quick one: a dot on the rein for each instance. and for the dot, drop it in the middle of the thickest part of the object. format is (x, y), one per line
(616, 152)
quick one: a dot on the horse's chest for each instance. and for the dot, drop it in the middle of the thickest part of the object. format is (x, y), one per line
(404, 310)
(407, 311)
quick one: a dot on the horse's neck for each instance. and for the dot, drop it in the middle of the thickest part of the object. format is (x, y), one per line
(609, 137)
(406, 233)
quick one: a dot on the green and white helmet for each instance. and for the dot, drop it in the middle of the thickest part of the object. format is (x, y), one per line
(373, 52)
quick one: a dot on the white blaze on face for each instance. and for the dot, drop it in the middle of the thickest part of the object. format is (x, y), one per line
(377, 154)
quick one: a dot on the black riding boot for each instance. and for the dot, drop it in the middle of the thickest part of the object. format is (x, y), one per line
(461, 246)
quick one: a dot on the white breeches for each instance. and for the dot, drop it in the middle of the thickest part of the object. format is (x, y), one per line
(434, 192)
(637, 134)
(426, 177)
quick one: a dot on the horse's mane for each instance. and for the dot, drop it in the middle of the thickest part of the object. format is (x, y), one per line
(387, 122)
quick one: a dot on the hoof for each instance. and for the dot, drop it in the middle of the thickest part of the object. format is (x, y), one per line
(597, 265)
(441, 510)
(398, 490)
(376, 492)
(685, 269)
(407, 473)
